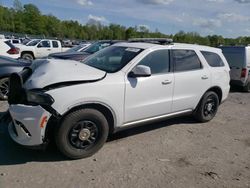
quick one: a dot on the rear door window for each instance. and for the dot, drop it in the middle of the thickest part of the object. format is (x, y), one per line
(55, 44)
(185, 60)
(213, 59)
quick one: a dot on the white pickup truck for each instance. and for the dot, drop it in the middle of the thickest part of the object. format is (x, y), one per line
(38, 48)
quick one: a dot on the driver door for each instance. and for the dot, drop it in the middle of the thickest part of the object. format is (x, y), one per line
(149, 97)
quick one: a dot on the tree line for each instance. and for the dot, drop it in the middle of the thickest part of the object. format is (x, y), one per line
(28, 19)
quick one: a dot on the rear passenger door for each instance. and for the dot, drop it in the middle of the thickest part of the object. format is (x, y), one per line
(55, 47)
(192, 79)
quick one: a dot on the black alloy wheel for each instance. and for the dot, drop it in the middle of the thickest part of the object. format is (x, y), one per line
(83, 135)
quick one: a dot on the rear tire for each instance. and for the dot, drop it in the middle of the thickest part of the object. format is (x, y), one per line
(27, 56)
(4, 88)
(82, 133)
(207, 107)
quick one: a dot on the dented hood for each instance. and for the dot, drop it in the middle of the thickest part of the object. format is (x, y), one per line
(50, 72)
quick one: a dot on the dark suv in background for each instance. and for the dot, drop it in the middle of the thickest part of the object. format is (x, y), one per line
(79, 56)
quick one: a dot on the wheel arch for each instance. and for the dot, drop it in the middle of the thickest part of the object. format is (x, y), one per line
(106, 110)
(28, 52)
(215, 89)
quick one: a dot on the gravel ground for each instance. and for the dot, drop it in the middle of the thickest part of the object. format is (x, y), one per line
(175, 153)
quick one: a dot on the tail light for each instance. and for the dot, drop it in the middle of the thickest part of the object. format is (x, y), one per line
(13, 51)
(244, 73)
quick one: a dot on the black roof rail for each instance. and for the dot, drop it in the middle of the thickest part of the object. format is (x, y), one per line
(162, 41)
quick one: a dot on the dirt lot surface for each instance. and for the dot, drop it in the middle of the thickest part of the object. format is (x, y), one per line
(175, 153)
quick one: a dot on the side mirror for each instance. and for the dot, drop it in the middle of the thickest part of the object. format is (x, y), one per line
(140, 71)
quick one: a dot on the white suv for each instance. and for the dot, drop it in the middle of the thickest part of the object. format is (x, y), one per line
(123, 85)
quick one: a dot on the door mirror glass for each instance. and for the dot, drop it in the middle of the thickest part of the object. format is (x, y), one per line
(140, 71)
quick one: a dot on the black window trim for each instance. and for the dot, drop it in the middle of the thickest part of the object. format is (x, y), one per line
(172, 60)
(54, 41)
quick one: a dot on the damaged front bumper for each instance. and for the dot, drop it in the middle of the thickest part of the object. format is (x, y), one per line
(28, 124)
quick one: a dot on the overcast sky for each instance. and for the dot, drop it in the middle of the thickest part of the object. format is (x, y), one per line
(230, 18)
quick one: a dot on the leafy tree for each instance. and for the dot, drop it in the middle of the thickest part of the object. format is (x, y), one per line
(28, 19)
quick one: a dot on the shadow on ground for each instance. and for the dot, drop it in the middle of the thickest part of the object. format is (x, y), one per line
(236, 89)
(13, 154)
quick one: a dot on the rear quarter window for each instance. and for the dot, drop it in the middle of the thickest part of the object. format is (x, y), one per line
(213, 59)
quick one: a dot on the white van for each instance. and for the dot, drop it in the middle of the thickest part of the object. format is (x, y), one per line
(238, 58)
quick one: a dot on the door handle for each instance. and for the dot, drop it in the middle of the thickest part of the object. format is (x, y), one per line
(49, 49)
(205, 77)
(165, 82)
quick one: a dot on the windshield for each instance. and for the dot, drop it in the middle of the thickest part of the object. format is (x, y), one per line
(33, 43)
(93, 48)
(113, 58)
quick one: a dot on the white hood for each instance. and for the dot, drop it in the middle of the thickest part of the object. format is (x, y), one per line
(48, 72)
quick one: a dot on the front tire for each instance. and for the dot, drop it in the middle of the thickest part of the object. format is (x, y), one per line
(82, 133)
(27, 56)
(4, 88)
(207, 107)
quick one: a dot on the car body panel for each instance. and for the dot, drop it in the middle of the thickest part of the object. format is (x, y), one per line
(108, 92)
(28, 116)
(10, 65)
(48, 74)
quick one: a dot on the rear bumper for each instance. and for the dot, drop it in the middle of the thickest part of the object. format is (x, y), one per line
(28, 124)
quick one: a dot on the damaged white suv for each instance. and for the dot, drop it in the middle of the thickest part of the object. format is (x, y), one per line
(126, 84)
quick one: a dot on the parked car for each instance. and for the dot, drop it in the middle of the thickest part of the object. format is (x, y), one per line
(81, 55)
(120, 86)
(40, 48)
(238, 58)
(8, 49)
(15, 41)
(7, 67)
